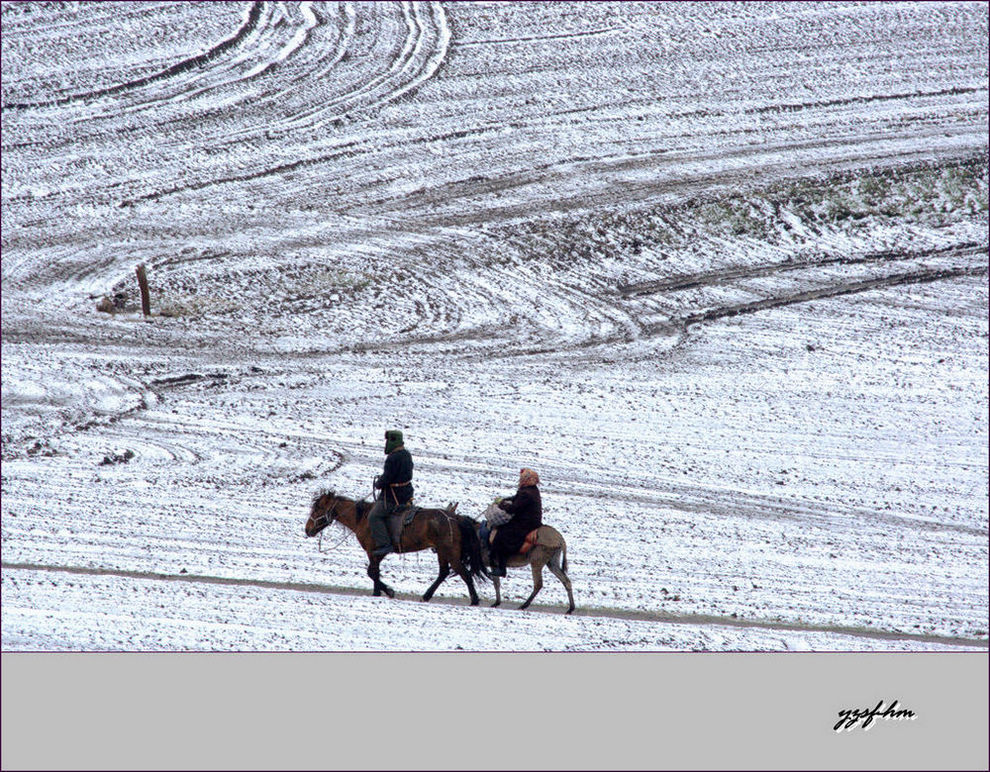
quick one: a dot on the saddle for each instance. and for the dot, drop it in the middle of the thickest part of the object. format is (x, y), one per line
(398, 520)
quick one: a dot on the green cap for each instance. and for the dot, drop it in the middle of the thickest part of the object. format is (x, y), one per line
(393, 440)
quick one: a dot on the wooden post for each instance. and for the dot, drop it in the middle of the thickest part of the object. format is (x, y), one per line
(145, 295)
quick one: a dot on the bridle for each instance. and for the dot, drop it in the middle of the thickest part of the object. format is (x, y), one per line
(328, 515)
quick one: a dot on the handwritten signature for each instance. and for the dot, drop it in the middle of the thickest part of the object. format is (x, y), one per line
(851, 717)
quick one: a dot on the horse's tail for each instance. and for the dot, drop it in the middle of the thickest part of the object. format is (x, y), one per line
(471, 548)
(563, 557)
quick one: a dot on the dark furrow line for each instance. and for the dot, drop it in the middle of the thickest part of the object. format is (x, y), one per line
(475, 185)
(280, 169)
(175, 69)
(917, 277)
(29, 27)
(631, 614)
(790, 108)
(690, 281)
(539, 38)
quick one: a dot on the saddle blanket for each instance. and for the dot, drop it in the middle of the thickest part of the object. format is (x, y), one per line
(531, 540)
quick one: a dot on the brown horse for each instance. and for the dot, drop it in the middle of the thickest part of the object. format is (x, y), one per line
(550, 551)
(452, 536)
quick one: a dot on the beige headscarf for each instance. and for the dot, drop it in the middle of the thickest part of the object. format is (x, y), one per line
(528, 477)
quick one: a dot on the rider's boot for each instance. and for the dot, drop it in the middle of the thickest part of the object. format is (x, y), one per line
(383, 544)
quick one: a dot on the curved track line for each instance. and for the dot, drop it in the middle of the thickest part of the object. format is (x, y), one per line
(288, 51)
(636, 615)
(224, 75)
(420, 57)
(417, 61)
(317, 75)
(250, 24)
(298, 41)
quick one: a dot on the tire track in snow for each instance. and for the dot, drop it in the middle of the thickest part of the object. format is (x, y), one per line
(605, 613)
(913, 277)
(690, 281)
(263, 46)
(585, 310)
(298, 40)
(662, 177)
(80, 398)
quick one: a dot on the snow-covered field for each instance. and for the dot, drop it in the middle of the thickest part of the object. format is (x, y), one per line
(717, 271)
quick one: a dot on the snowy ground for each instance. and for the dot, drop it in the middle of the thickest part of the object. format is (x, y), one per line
(718, 272)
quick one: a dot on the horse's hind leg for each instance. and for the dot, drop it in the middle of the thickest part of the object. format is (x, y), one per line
(444, 573)
(537, 583)
(554, 566)
(466, 576)
(498, 591)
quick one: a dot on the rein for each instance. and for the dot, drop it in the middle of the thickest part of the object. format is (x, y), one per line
(341, 540)
(324, 520)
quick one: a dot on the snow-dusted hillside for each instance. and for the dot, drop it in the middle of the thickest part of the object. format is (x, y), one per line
(717, 271)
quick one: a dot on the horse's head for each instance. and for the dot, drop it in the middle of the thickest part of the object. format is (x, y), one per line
(323, 512)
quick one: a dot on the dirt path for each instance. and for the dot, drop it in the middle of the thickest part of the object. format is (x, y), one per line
(604, 613)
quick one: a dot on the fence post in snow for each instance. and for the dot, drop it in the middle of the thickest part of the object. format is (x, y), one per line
(145, 295)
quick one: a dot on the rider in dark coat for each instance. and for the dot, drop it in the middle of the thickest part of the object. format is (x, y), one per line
(395, 483)
(526, 509)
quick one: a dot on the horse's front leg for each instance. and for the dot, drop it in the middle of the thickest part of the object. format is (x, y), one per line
(376, 576)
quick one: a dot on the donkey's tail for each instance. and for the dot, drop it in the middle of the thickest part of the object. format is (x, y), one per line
(471, 548)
